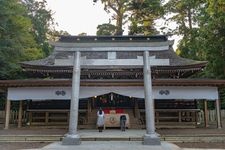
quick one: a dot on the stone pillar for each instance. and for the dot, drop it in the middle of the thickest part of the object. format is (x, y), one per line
(151, 137)
(206, 114)
(218, 117)
(72, 138)
(20, 114)
(7, 113)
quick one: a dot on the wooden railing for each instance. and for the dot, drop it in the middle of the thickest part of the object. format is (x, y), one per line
(54, 116)
(173, 117)
(25, 119)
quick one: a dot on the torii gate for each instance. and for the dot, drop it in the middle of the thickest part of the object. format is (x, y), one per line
(151, 137)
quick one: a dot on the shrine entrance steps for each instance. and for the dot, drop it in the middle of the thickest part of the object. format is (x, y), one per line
(54, 135)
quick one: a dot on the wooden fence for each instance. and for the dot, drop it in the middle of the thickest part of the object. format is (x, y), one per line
(14, 116)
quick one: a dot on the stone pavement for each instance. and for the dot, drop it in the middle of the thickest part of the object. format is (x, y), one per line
(113, 138)
(110, 145)
(115, 145)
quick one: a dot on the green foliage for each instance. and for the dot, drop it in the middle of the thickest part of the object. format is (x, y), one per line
(185, 13)
(2, 100)
(190, 47)
(210, 105)
(118, 8)
(42, 20)
(106, 29)
(16, 40)
(25, 28)
(54, 35)
(201, 23)
(222, 97)
(144, 13)
(212, 33)
(140, 13)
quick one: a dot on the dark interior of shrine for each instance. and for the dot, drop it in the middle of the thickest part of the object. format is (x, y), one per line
(112, 101)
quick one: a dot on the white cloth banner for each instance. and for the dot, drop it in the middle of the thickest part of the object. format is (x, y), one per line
(137, 92)
(64, 93)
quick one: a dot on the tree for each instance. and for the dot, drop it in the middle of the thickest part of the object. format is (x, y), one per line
(212, 33)
(106, 29)
(16, 41)
(54, 35)
(119, 9)
(82, 34)
(143, 16)
(42, 22)
(185, 14)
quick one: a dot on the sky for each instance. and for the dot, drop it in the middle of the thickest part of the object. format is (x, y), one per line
(78, 16)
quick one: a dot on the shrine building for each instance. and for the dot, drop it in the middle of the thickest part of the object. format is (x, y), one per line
(137, 76)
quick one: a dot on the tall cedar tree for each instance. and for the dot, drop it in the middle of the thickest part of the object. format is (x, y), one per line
(16, 41)
(141, 15)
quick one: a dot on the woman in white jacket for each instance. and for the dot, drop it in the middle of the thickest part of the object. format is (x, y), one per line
(100, 120)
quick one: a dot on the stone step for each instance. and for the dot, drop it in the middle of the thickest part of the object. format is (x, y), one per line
(168, 138)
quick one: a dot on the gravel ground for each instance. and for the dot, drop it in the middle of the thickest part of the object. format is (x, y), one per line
(21, 145)
(202, 145)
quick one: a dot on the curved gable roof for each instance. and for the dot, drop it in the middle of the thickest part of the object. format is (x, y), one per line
(177, 63)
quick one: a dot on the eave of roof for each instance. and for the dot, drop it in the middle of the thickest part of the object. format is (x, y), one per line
(67, 82)
(114, 38)
(68, 69)
(176, 62)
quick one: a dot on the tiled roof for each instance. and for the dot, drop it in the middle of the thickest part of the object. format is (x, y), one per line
(176, 62)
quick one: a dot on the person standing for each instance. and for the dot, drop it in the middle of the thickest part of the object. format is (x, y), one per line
(100, 120)
(123, 120)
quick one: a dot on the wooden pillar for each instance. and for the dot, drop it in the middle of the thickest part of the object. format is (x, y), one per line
(46, 118)
(89, 110)
(7, 113)
(136, 109)
(218, 117)
(206, 115)
(179, 116)
(20, 115)
(30, 117)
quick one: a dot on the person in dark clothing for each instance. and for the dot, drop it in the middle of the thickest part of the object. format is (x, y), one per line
(123, 120)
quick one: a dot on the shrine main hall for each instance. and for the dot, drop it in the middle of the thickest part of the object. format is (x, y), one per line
(137, 76)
